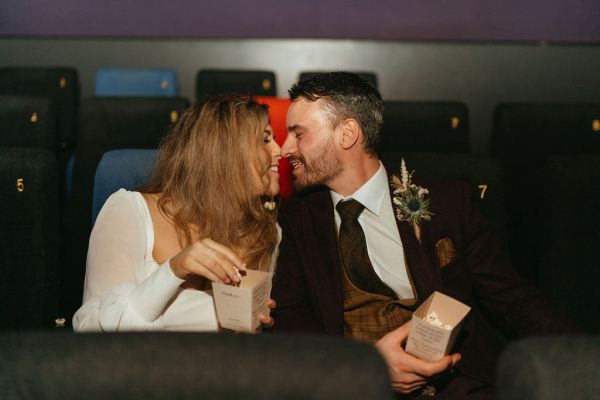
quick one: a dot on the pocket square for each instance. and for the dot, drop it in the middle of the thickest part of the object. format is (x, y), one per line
(446, 252)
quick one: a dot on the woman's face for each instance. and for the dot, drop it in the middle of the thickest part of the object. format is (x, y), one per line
(275, 152)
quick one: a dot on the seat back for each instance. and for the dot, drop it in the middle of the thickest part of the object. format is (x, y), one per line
(524, 136)
(367, 76)
(29, 238)
(28, 121)
(277, 113)
(541, 129)
(136, 82)
(210, 82)
(550, 368)
(483, 174)
(209, 366)
(105, 123)
(128, 169)
(570, 236)
(439, 127)
(108, 123)
(60, 83)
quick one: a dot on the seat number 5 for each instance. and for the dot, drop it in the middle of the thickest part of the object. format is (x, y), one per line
(20, 185)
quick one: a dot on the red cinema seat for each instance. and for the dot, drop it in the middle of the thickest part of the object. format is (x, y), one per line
(277, 111)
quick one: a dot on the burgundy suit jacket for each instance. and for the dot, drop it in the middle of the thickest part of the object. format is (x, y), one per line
(308, 289)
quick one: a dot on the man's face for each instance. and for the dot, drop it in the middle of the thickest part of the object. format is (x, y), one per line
(310, 146)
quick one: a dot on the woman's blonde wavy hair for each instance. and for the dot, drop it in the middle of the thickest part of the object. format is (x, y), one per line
(211, 174)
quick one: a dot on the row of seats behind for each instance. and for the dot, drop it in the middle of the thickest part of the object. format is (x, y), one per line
(164, 82)
(30, 194)
(111, 123)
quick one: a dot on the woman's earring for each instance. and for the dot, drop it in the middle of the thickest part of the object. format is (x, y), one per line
(269, 204)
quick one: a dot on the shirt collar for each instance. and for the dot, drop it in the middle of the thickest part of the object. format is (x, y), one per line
(370, 194)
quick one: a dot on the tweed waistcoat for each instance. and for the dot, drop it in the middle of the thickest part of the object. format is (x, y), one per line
(369, 316)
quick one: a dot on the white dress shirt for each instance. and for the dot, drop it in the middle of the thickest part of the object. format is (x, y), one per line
(381, 232)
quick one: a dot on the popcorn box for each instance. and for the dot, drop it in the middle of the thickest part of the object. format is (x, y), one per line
(435, 326)
(238, 307)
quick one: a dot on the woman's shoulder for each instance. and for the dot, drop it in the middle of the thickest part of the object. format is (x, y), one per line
(124, 201)
(124, 196)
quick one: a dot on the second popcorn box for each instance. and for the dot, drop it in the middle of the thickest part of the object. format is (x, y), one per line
(435, 326)
(238, 306)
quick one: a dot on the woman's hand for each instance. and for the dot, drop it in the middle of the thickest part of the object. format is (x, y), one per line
(210, 260)
(267, 321)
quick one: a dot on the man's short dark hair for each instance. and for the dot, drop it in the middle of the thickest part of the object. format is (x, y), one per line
(346, 95)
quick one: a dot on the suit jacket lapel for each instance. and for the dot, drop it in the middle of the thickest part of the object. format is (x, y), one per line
(419, 256)
(326, 281)
(326, 271)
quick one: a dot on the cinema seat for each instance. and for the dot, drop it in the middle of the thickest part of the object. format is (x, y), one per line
(367, 76)
(28, 121)
(210, 82)
(159, 82)
(569, 229)
(61, 86)
(524, 136)
(60, 83)
(105, 123)
(540, 129)
(127, 168)
(175, 366)
(432, 127)
(29, 239)
(550, 368)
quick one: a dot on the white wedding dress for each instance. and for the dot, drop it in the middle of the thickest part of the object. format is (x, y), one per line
(125, 288)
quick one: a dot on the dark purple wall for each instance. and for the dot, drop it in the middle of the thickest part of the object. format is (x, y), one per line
(530, 20)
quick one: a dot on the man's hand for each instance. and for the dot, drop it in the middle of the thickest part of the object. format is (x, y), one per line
(408, 373)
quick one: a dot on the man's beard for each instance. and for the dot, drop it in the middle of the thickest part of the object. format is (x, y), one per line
(326, 166)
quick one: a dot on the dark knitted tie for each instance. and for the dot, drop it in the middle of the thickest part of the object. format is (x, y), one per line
(353, 250)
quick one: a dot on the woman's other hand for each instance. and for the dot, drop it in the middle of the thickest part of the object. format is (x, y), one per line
(266, 321)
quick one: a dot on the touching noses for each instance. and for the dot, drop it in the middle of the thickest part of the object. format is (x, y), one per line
(289, 146)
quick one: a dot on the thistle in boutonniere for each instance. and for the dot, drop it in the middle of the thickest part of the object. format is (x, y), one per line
(409, 201)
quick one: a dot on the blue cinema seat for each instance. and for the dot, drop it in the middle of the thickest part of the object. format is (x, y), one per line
(126, 168)
(105, 123)
(136, 82)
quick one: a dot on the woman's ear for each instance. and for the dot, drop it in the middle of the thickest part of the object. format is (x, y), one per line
(350, 133)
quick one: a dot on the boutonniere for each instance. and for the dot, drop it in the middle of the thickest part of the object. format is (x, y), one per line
(409, 200)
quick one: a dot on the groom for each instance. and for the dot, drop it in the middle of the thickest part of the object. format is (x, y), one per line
(349, 266)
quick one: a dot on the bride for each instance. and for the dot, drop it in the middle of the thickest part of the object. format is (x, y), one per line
(207, 215)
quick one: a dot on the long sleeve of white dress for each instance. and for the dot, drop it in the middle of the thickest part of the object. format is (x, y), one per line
(125, 289)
